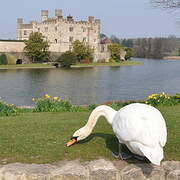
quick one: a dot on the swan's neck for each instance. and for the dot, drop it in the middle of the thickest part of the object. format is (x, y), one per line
(102, 110)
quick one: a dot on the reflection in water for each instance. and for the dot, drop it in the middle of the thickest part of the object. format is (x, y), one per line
(91, 85)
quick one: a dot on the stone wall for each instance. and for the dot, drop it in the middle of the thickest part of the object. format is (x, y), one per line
(10, 46)
(16, 49)
(94, 170)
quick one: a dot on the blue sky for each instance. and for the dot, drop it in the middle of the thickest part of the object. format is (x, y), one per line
(123, 18)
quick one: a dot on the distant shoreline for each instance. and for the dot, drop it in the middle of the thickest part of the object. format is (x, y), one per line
(172, 58)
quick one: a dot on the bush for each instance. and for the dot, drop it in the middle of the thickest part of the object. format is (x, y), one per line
(48, 104)
(163, 99)
(7, 109)
(67, 59)
(3, 59)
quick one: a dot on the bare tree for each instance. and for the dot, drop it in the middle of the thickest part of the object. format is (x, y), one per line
(166, 4)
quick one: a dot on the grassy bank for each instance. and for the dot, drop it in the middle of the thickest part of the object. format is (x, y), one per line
(19, 66)
(41, 137)
(40, 65)
(123, 63)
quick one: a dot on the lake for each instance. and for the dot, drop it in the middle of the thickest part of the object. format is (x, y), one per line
(91, 85)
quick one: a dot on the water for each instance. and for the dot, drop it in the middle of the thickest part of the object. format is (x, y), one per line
(91, 85)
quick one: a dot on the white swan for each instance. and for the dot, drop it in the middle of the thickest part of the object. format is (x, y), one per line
(139, 126)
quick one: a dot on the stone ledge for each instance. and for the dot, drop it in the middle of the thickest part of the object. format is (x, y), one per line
(95, 170)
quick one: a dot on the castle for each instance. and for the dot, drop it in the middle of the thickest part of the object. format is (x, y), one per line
(60, 32)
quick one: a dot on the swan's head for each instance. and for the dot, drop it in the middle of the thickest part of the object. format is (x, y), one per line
(78, 136)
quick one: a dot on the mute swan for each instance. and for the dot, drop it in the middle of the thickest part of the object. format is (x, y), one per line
(139, 126)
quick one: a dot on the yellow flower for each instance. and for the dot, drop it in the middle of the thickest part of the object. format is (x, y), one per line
(33, 99)
(56, 98)
(47, 96)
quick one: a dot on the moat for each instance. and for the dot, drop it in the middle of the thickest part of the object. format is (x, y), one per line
(91, 85)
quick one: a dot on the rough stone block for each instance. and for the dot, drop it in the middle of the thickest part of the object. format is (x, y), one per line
(172, 169)
(174, 175)
(72, 170)
(102, 170)
(142, 172)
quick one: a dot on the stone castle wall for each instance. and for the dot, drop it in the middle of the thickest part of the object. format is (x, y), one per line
(60, 33)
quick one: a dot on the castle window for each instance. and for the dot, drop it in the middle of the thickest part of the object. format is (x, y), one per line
(55, 28)
(84, 39)
(38, 29)
(70, 39)
(25, 32)
(71, 29)
(46, 29)
(84, 29)
(70, 48)
(56, 40)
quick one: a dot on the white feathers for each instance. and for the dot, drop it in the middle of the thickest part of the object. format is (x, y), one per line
(142, 128)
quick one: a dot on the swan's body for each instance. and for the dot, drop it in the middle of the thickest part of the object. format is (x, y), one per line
(139, 126)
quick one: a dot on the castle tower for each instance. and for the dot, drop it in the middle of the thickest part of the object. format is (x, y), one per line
(91, 19)
(58, 13)
(18, 32)
(44, 15)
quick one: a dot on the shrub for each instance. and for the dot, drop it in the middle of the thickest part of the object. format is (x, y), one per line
(3, 59)
(67, 59)
(163, 99)
(7, 109)
(48, 104)
(92, 106)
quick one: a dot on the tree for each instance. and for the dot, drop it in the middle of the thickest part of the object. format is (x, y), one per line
(82, 51)
(115, 49)
(166, 4)
(36, 47)
(67, 59)
(129, 53)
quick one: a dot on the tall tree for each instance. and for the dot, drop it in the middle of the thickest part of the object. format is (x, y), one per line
(36, 47)
(82, 51)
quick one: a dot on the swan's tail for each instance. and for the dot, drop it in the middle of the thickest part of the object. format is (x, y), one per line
(155, 155)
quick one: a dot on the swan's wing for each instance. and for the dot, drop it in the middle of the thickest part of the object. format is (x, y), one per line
(142, 124)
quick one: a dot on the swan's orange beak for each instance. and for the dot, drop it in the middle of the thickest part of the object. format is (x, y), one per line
(71, 142)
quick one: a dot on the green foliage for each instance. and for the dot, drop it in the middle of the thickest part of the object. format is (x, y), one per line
(82, 51)
(36, 48)
(7, 109)
(11, 59)
(6, 58)
(163, 99)
(92, 106)
(115, 49)
(3, 59)
(129, 53)
(48, 104)
(67, 59)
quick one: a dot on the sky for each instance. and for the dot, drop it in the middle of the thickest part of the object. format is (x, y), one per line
(122, 18)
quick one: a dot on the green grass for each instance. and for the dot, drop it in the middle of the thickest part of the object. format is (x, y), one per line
(41, 137)
(35, 65)
(123, 63)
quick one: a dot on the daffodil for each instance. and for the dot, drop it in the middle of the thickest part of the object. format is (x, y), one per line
(56, 98)
(47, 96)
(33, 99)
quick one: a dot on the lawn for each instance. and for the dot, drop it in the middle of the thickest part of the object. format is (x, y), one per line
(41, 137)
(123, 63)
(35, 65)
